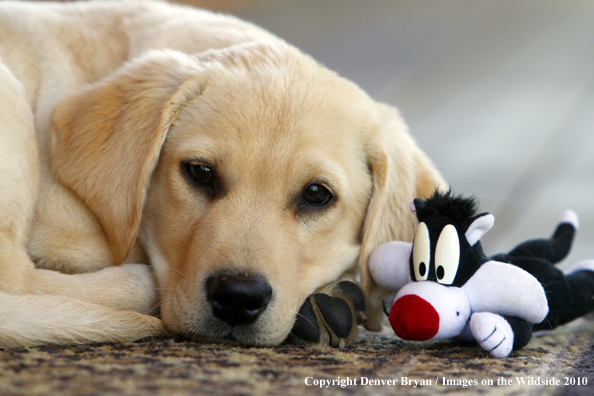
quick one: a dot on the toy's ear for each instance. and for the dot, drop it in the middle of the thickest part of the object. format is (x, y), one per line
(400, 171)
(505, 289)
(106, 139)
(412, 206)
(416, 204)
(479, 227)
(389, 265)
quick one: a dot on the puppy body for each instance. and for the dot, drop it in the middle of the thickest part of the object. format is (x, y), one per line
(106, 107)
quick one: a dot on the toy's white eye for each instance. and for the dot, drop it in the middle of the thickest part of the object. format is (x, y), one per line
(447, 255)
(421, 252)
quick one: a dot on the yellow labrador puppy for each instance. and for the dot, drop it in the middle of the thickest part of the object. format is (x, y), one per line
(157, 158)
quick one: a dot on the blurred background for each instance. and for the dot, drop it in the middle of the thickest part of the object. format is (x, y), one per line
(499, 93)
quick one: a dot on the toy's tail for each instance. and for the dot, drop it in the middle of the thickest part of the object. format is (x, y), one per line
(555, 248)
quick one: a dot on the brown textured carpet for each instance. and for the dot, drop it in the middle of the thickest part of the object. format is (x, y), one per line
(167, 367)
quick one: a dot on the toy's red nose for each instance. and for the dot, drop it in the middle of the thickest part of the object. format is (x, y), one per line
(413, 318)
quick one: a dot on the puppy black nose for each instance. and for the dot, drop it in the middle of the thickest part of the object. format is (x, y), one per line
(238, 299)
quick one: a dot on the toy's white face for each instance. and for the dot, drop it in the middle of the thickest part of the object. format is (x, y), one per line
(434, 306)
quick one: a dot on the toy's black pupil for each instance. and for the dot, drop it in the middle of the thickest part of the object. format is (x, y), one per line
(440, 272)
(422, 269)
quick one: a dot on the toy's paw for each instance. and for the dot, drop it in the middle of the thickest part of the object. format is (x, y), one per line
(493, 333)
(331, 318)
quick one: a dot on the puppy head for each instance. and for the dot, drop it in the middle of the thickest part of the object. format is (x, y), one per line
(249, 174)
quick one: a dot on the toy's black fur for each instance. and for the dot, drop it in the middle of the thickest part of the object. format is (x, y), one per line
(456, 209)
(446, 208)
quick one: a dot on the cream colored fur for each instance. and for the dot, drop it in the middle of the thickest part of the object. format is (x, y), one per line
(101, 104)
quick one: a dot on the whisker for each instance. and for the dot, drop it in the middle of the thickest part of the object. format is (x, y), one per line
(157, 305)
(352, 199)
(362, 191)
(186, 242)
(179, 272)
(309, 321)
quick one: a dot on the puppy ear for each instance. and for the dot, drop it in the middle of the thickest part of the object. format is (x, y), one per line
(106, 139)
(400, 172)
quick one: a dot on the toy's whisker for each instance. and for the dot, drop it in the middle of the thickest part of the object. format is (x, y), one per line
(384, 307)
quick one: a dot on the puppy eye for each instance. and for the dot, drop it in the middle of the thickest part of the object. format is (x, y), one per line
(203, 177)
(316, 195)
(200, 174)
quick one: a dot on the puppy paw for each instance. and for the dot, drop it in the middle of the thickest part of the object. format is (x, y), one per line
(331, 317)
(493, 333)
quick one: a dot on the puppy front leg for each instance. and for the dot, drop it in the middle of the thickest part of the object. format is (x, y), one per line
(126, 287)
(19, 182)
(27, 320)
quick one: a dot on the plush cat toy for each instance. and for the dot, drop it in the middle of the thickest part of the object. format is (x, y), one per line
(447, 287)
